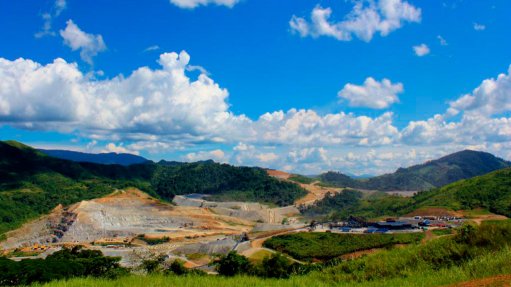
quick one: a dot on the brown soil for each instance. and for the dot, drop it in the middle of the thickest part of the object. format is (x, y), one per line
(496, 281)
(434, 211)
(480, 218)
(278, 174)
(315, 191)
(358, 254)
(428, 235)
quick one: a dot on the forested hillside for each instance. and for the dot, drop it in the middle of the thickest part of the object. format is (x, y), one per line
(348, 203)
(436, 173)
(224, 182)
(491, 192)
(32, 183)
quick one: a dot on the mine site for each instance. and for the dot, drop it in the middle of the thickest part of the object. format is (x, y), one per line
(277, 143)
(135, 226)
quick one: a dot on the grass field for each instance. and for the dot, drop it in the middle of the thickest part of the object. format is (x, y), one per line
(440, 232)
(324, 246)
(486, 266)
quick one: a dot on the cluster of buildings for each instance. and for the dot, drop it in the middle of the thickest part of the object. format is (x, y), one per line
(393, 225)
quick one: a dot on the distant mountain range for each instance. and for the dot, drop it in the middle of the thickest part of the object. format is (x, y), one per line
(436, 173)
(101, 158)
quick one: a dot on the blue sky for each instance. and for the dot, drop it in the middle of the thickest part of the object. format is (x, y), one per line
(346, 92)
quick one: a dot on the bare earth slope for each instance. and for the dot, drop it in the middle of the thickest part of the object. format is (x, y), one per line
(314, 189)
(124, 214)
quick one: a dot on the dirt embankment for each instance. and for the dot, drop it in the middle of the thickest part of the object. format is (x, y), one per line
(314, 190)
(434, 211)
(278, 174)
(495, 281)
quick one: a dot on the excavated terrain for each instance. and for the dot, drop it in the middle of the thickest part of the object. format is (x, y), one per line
(314, 190)
(123, 224)
(250, 211)
(124, 214)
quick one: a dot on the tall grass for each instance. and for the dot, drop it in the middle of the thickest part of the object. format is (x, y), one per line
(484, 266)
(474, 252)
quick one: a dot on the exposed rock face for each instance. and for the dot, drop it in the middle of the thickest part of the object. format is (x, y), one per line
(244, 210)
(124, 214)
(212, 247)
(41, 231)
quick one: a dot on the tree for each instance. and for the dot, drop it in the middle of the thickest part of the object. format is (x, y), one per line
(178, 267)
(233, 264)
(277, 266)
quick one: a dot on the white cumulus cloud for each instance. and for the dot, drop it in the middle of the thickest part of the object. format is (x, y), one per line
(164, 109)
(482, 118)
(112, 147)
(365, 19)
(493, 96)
(421, 50)
(88, 44)
(216, 155)
(146, 105)
(372, 94)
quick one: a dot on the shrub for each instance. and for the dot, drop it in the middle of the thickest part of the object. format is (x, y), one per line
(233, 264)
(64, 264)
(276, 266)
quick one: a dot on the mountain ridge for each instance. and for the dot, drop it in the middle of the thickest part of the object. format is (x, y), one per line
(431, 174)
(101, 158)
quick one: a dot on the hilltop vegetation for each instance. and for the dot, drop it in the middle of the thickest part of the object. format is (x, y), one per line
(224, 182)
(350, 202)
(32, 183)
(435, 173)
(490, 192)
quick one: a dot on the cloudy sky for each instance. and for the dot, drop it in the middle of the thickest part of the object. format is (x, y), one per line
(359, 86)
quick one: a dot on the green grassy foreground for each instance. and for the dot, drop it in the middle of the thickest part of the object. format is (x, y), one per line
(485, 266)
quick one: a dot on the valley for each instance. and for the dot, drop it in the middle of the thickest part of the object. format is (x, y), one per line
(156, 214)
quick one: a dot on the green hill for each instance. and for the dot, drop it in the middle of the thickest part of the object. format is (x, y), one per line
(436, 173)
(32, 183)
(491, 191)
(224, 182)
